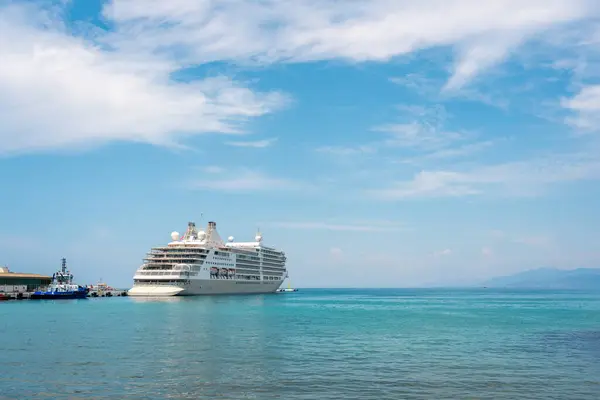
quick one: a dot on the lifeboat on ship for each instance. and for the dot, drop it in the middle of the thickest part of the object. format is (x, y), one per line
(224, 271)
(214, 271)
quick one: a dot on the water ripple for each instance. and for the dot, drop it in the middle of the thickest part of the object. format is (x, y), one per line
(387, 344)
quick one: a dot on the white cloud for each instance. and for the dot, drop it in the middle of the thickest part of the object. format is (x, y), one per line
(380, 226)
(586, 106)
(452, 152)
(422, 129)
(418, 82)
(487, 251)
(442, 253)
(418, 135)
(213, 169)
(335, 251)
(483, 33)
(516, 178)
(258, 144)
(497, 234)
(429, 184)
(336, 254)
(486, 92)
(245, 180)
(536, 241)
(347, 150)
(57, 90)
(479, 55)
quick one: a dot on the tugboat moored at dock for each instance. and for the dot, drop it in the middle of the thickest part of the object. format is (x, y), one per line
(61, 287)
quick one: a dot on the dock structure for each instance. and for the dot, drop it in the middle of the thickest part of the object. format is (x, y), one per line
(20, 286)
(94, 294)
(15, 296)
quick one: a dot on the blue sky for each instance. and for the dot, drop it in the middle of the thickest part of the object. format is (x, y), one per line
(379, 143)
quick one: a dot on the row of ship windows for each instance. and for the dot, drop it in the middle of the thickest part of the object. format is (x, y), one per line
(220, 263)
(165, 273)
(256, 270)
(196, 268)
(202, 257)
(239, 272)
(246, 277)
(242, 275)
(238, 267)
(217, 252)
(173, 261)
(172, 250)
(265, 270)
(271, 263)
(163, 256)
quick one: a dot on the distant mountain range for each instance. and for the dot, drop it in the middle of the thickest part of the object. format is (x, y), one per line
(550, 278)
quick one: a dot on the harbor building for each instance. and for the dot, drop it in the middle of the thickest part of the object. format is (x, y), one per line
(16, 282)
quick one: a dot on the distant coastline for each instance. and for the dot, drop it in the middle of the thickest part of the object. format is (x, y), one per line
(549, 278)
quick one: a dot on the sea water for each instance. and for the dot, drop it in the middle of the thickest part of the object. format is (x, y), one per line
(312, 344)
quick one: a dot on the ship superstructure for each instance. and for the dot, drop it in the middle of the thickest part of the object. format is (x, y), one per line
(200, 262)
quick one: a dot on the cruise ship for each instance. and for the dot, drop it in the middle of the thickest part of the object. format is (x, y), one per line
(201, 263)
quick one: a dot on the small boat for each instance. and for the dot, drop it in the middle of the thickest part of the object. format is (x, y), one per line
(4, 296)
(287, 289)
(100, 290)
(61, 287)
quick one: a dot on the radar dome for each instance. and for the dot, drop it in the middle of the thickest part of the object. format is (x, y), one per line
(258, 238)
(230, 238)
(175, 236)
(201, 235)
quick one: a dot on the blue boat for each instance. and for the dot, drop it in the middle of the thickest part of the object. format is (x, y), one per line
(61, 287)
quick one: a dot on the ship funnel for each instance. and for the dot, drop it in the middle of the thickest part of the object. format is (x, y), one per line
(212, 234)
(190, 232)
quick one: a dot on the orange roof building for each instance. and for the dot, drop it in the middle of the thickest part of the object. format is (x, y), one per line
(21, 282)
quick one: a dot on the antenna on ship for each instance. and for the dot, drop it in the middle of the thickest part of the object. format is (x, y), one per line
(258, 236)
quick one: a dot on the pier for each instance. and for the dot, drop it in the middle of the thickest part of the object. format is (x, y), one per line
(91, 293)
(21, 286)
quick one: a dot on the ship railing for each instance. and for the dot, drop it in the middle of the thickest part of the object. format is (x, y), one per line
(160, 283)
(163, 273)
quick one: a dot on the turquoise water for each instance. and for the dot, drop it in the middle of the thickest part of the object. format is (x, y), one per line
(313, 344)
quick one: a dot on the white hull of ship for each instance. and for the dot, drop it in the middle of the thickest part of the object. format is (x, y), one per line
(198, 287)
